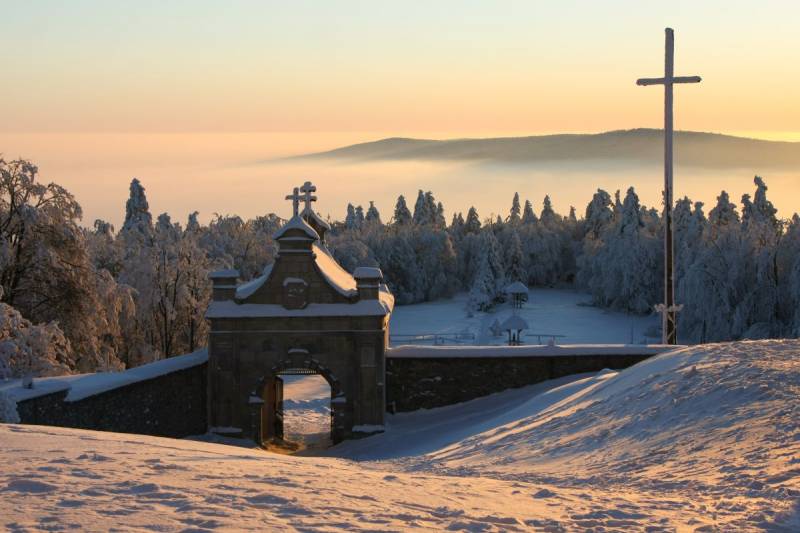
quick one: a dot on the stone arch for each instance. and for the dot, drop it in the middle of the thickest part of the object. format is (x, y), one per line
(263, 403)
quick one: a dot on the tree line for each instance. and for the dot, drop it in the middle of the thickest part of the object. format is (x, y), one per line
(77, 299)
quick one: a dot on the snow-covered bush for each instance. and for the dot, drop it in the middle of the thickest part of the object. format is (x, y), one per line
(28, 349)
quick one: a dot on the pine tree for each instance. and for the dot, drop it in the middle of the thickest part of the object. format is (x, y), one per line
(528, 216)
(137, 211)
(473, 223)
(482, 290)
(402, 216)
(599, 214)
(359, 216)
(515, 270)
(548, 216)
(373, 216)
(514, 216)
(350, 221)
(422, 214)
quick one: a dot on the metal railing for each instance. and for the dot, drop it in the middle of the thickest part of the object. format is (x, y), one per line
(438, 339)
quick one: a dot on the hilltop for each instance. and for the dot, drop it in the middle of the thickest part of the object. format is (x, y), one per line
(638, 146)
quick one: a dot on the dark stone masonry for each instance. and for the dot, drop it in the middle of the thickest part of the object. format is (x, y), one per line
(422, 383)
(170, 405)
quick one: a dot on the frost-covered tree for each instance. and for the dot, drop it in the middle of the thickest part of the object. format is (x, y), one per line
(350, 220)
(137, 211)
(515, 267)
(31, 349)
(473, 222)
(373, 216)
(482, 290)
(402, 216)
(514, 216)
(528, 215)
(599, 214)
(548, 216)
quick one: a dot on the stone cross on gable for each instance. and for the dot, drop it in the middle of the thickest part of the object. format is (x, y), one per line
(295, 198)
(668, 308)
(307, 189)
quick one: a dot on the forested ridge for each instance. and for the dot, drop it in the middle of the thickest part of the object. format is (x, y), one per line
(81, 299)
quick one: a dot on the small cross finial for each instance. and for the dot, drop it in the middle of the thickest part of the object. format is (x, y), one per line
(295, 198)
(307, 189)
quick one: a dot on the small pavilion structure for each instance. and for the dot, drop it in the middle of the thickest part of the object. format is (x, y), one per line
(304, 315)
(514, 326)
(518, 292)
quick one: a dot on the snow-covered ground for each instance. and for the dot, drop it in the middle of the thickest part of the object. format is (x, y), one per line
(307, 410)
(548, 311)
(700, 439)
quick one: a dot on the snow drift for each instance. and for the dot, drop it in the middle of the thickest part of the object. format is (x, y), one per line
(701, 438)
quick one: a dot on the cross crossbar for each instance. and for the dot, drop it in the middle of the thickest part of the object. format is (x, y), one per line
(295, 198)
(663, 81)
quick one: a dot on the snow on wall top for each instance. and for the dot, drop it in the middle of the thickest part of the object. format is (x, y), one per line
(84, 385)
(230, 309)
(422, 352)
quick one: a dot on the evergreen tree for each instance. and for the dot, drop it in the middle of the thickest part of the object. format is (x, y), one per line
(528, 216)
(515, 270)
(473, 223)
(514, 216)
(402, 216)
(548, 216)
(373, 216)
(350, 221)
(422, 214)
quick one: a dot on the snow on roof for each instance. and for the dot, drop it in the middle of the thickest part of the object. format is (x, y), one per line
(84, 385)
(528, 351)
(368, 273)
(339, 278)
(515, 323)
(222, 274)
(517, 288)
(246, 289)
(308, 212)
(297, 222)
(230, 309)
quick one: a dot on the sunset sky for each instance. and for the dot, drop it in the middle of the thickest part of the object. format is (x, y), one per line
(312, 75)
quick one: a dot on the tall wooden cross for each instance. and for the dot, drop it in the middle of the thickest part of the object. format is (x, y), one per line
(307, 189)
(295, 198)
(668, 309)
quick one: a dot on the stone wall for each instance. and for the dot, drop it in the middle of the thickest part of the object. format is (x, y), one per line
(426, 382)
(170, 405)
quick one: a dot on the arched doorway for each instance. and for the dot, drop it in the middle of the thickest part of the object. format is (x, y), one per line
(269, 402)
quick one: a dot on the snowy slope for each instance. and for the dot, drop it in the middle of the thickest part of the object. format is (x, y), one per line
(703, 438)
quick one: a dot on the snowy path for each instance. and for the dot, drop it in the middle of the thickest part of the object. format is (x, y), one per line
(701, 439)
(548, 311)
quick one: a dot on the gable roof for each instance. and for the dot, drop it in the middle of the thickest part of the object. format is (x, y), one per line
(296, 223)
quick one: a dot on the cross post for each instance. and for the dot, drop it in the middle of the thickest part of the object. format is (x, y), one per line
(307, 189)
(668, 309)
(295, 198)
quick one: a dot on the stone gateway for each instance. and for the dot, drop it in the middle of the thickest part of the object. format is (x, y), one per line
(304, 314)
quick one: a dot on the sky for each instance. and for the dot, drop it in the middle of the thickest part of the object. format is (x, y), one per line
(100, 91)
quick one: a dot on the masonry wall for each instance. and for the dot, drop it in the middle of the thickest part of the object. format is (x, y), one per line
(171, 405)
(423, 383)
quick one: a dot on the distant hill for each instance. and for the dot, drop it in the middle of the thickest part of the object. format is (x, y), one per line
(635, 146)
